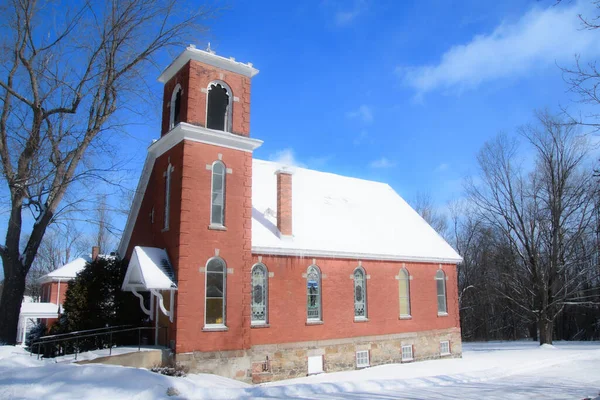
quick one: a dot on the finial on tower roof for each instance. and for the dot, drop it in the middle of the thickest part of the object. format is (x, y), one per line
(208, 49)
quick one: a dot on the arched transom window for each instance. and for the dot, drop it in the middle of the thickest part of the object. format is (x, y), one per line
(404, 292)
(360, 294)
(260, 278)
(313, 293)
(216, 282)
(440, 281)
(217, 208)
(218, 108)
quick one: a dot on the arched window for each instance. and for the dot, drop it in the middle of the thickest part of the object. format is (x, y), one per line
(216, 280)
(313, 293)
(360, 293)
(175, 116)
(217, 205)
(404, 292)
(440, 281)
(260, 277)
(218, 108)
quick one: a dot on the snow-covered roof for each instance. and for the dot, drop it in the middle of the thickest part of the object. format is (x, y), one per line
(333, 216)
(339, 216)
(68, 271)
(39, 310)
(149, 268)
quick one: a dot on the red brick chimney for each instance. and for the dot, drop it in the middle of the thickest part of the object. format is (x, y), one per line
(95, 252)
(284, 202)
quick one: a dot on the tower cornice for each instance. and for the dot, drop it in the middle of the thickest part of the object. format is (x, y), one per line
(209, 58)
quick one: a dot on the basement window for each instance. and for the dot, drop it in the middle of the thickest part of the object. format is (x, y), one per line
(445, 348)
(218, 109)
(315, 365)
(362, 359)
(407, 353)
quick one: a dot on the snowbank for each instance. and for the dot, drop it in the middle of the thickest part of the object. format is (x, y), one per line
(509, 370)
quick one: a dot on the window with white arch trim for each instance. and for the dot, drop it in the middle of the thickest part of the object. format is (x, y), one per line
(313, 294)
(404, 293)
(260, 282)
(440, 282)
(360, 294)
(217, 201)
(215, 294)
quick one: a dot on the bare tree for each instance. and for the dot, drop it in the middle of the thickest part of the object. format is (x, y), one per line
(62, 243)
(544, 216)
(583, 78)
(66, 74)
(423, 204)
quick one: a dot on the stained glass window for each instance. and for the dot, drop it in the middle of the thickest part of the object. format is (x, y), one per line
(259, 294)
(313, 293)
(360, 294)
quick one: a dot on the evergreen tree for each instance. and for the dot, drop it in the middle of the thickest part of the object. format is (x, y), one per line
(94, 299)
(36, 332)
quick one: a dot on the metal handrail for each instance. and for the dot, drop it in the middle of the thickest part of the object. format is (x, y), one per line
(43, 341)
(41, 338)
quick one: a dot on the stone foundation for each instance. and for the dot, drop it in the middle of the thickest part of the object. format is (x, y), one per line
(265, 363)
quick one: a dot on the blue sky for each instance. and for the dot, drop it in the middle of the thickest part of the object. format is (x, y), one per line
(403, 92)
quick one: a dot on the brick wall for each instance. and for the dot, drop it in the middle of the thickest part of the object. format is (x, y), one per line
(193, 78)
(287, 300)
(50, 290)
(199, 243)
(148, 233)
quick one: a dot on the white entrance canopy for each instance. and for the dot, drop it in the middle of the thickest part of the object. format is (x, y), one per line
(150, 270)
(35, 311)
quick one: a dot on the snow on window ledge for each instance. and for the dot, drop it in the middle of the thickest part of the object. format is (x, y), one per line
(215, 328)
(406, 317)
(314, 322)
(259, 324)
(442, 314)
(361, 319)
(217, 227)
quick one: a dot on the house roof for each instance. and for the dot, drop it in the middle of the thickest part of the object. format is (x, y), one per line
(339, 216)
(149, 268)
(68, 271)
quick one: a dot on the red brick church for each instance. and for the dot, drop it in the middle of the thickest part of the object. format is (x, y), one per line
(265, 271)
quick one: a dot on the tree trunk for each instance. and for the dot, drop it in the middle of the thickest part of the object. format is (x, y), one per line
(10, 301)
(533, 331)
(545, 330)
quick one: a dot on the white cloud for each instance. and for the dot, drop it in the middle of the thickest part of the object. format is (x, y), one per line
(540, 38)
(345, 17)
(319, 162)
(364, 113)
(286, 157)
(382, 162)
(442, 167)
(362, 136)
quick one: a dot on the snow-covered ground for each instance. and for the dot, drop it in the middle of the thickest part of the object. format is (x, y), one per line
(495, 370)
